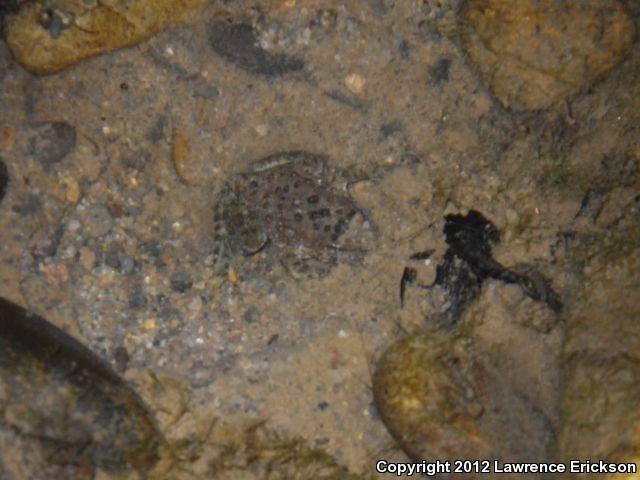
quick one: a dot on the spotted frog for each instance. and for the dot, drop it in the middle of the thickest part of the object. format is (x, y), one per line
(294, 205)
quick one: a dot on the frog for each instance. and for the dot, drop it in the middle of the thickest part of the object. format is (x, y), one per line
(294, 206)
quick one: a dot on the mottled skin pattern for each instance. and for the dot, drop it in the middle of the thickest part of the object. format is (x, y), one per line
(290, 203)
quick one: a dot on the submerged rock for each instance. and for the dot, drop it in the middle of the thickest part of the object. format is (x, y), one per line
(601, 394)
(534, 53)
(238, 43)
(49, 36)
(64, 405)
(442, 397)
(50, 142)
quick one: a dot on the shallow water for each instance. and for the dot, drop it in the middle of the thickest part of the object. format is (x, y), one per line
(113, 241)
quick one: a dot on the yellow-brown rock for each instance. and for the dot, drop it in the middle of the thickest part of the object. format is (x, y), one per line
(442, 397)
(601, 395)
(534, 53)
(47, 37)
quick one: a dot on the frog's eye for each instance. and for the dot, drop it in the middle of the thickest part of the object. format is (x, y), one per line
(254, 240)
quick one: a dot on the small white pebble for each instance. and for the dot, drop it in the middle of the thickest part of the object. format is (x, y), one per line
(74, 225)
(199, 340)
(169, 52)
(304, 36)
(262, 130)
(354, 82)
(342, 334)
(427, 261)
(106, 130)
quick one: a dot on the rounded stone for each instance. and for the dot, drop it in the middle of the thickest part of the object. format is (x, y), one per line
(443, 397)
(534, 53)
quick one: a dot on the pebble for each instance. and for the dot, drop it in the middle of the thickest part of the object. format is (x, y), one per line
(87, 258)
(112, 257)
(73, 225)
(239, 45)
(121, 357)
(98, 221)
(181, 282)
(205, 91)
(137, 298)
(195, 306)
(7, 137)
(355, 82)
(126, 264)
(149, 324)
(252, 315)
(56, 273)
(50, 142)
(71, 189)
(439, 72)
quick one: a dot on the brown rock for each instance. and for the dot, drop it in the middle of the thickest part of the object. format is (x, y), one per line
(533, 53)
(64, 402)
(601, 396)
(47, 37)
(443, 398)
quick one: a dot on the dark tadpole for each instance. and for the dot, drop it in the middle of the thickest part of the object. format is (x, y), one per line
(67, 400)
(238, 43)
(468, 262)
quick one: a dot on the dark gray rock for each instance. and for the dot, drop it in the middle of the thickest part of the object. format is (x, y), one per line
(238, 43)
(50, 142)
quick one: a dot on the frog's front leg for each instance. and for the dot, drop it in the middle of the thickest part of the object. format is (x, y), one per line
(252, 239)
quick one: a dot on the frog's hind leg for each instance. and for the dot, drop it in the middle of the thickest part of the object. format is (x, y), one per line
(222, 253)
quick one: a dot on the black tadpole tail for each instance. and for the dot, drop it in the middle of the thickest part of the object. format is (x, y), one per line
(409, 275)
